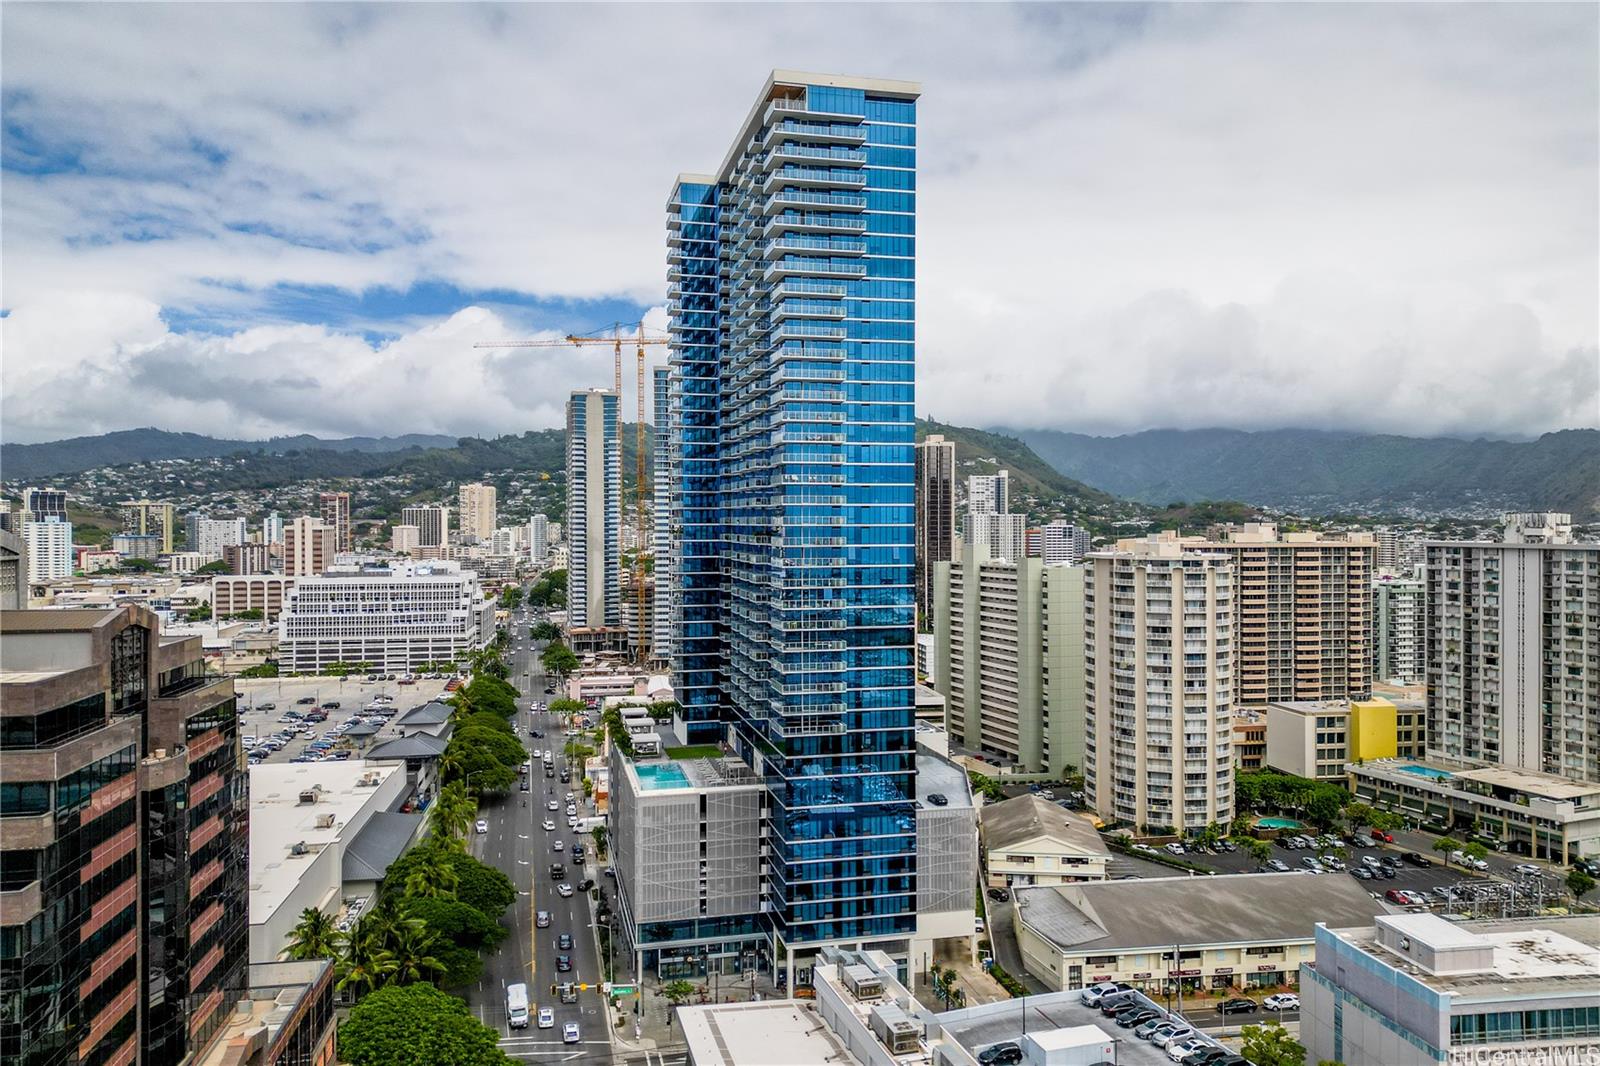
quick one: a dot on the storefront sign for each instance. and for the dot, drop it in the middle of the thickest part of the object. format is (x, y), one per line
(1220, 970)
(1266, 967)
(1183, 973)
(1141, 976)
(1576, 1054)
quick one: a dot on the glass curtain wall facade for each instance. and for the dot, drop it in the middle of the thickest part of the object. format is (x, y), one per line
(792, 302)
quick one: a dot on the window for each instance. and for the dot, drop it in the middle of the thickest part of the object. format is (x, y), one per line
(49, 728)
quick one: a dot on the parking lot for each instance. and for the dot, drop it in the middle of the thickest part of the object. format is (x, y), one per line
(258, 719)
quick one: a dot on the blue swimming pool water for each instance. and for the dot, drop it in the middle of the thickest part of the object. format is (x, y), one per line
(1279, 823)
(1425, 771)
(662, 775)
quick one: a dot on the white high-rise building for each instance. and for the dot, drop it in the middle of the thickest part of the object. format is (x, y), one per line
(1002, 536)
(1399, 630)
(538, 538)
(433, 524)
(479, 512)
(1063, 543)
(209, 536)
(1400, 551)
(1513, 656)
(49, 548)
(503, 542)
(661, 517)
(989, 493)
(594, 510)
(397, 619)
(1158, 678)
(272, 528)
(404, 538)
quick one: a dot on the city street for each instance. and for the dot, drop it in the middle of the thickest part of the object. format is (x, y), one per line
(517, 845)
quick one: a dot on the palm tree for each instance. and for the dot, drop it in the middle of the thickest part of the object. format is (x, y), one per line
(453, 811)
(314, 937)
(433, 879)
(412, 944)
(368, 965)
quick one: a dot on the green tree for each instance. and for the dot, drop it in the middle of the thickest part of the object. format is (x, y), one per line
(1475, 851)
(315, 936)
(1445, 845)
(463, 930)
(545, 631)
(987, 787)
(252, 615)
(435, 879)
(412, 944)
(367, 966)
(139, 566)
(478, 885)
(678, 992)
(1271, 1045)
(599, 834)
(1358, 815)
(260, 670)
(200, 613)
(454, 811)
(558, 659)
(945, 987)
(1579, 884)
(511, 597)
(217, 567)
(417, 1025)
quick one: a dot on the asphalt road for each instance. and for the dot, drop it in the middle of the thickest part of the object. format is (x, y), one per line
(517, 845)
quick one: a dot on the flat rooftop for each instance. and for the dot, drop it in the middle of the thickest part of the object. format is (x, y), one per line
(1533, 957)
(278, 820)
(936, 775)
(1194, 911)
(1530, 781)
(779, 1032)
(976, 1028)
(657, 775)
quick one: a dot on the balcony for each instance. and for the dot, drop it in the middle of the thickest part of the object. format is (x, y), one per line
(783, 268)
(788, 152)
(828, 245)
(790, 177)
(834, 201)
(840, 132)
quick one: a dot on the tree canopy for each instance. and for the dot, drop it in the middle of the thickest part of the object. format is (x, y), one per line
(417, 1025)
(1271, 1045)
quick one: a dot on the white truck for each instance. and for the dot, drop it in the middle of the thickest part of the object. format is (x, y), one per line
(517, 1006)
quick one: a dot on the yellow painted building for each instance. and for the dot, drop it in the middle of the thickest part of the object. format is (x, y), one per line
(1374, 729)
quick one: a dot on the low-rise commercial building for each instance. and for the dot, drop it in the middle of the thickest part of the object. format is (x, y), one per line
(1239, 930)
(397, 619)
(1317, 738)
(1031, 841)
(1420, 990)
(307, 824)
(1532, 813)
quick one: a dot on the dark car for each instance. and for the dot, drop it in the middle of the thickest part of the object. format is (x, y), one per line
(1237, 1006)
(306, 699)
(999, 895)
(1384, 871)
(1116, 1003)
(1136, 1016)
(1007, 1054)
(564, 942)
(1212, 1056)
(525, 786)
(587, 883)
(563, 963)
(557, 871)
(1416, 858)
(938, 799)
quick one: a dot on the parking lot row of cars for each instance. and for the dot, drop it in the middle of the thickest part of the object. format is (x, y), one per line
(324, 743)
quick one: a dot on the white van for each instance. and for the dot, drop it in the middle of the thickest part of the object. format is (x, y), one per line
(517, 1006)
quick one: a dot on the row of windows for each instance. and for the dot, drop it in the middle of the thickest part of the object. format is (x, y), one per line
(49, 728)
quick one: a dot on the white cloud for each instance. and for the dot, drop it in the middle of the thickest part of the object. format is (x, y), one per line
(1359, 216)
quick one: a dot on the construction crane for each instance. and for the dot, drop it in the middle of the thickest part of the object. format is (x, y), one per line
(640, 491)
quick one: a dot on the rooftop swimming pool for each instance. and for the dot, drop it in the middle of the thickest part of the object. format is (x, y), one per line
(661, 775)
(1425, 771)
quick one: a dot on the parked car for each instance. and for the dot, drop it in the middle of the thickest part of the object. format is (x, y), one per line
(1115, 1002)
(1386, 837)
(1177, 1052)
(1008, 1053)
(999, 895)
(1092, 995)
(587, 883)
(1282, 1001)
(1416, 858)
(1146, 849)
(1237, 1006)
(1179, 1034)
(1145, 1031)
(1277, 864)
(1136, 1016)
(1394, 895)
(1528, 869)
(1174, 848)
(1361, 873)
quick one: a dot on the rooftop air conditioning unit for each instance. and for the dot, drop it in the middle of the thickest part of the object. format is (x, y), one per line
(325, 821)
(894, 1027)
(863, 982)
(298, 848)
(311, 794)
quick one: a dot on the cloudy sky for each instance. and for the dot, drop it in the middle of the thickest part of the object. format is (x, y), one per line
(250, 220)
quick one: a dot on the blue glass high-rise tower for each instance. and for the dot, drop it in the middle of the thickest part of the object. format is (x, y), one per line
(792, 280)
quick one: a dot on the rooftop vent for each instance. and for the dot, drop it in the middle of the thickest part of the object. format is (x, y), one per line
(895, 1028)
(863, 982)
(298, 848)
(368, 779)
(311, 795)
(325, 821)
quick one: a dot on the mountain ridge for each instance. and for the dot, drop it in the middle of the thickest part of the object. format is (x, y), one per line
(75, 454)
(1324, 471)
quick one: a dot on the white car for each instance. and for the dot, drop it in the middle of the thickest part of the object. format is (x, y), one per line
(1282, 1001)
(1183, 1049)
(483, 826)
(1528, 868)
(552, 805)
(564, 890)
(549, 826)
(556, 845)
(1174, 848)
(547, 1018)
(1146, 848)
(572, 822)
(569, 1033)
(572, 809)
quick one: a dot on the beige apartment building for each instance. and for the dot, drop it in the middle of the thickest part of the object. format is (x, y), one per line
(336, 516)
(479, 512)
(308, 547)
(1158, 678)
(1008, 658)
(1303, 612)
(147, 518)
